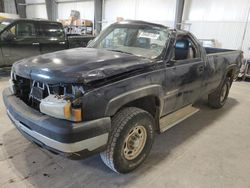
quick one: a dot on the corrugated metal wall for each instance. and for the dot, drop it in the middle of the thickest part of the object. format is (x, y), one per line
(1, 6)
(9, 6)
(214, 10)
(86, 9)
(226, 34)
(158, 11)
(223, 20)
(36, 9)
(246, 42)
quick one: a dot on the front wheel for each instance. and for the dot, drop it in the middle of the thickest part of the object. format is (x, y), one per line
(130, 140)
(218, 98)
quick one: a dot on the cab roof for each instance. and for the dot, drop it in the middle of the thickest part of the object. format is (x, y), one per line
(150, 24)
(140, 22)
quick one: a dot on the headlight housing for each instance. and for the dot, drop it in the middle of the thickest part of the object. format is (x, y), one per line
(67, 106)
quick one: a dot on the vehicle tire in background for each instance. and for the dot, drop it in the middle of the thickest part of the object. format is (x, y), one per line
(218, 98)
(130, 140)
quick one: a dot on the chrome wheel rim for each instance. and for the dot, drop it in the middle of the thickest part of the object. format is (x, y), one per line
(223, 93)
(134, 142)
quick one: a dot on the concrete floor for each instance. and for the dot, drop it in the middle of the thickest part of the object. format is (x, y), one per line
(210, 149)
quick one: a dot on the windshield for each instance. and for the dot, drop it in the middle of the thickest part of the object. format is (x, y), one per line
(3, 24)
(142, 41)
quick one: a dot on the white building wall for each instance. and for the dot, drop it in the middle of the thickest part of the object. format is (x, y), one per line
(86, 9)
(34, 1)
(217, 10)
(158, 11)
(223, 20)
(36, 9)
(246, 42)
(9, 6)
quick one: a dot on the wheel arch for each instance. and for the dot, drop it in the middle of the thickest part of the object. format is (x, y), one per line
(147, 98)
(229, 73)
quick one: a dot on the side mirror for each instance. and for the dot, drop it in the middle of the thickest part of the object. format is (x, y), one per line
(8, 36)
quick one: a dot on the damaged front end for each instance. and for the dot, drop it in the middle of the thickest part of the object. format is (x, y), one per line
(61, 101)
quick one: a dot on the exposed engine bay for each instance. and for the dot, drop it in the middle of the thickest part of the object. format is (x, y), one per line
(58, 100)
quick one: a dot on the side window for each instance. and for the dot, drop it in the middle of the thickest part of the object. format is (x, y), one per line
(185, 48)
(21, 30)
(51, 30)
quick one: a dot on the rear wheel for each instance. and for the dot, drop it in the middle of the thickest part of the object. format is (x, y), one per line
(218, 98)
(130, 140)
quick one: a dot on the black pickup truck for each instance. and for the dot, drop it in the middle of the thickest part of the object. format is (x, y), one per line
(134, 80)
(22, 38)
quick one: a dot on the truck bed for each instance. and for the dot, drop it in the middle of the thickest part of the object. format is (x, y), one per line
(228, 56)
(217, 50)
(79, 40)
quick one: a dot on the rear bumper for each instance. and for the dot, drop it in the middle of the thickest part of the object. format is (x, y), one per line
(60, 136)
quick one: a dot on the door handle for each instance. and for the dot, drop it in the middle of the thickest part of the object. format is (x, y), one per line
(61, 42)
(35, 43)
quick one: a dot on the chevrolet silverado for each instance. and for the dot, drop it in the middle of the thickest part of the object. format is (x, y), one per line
(134, 80)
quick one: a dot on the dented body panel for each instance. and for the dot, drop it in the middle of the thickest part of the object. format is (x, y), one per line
(80, 65)
(112, 80)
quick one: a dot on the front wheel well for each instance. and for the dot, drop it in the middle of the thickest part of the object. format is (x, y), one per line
(150, 104)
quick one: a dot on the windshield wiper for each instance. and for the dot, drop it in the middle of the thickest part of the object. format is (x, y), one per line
(121, 52)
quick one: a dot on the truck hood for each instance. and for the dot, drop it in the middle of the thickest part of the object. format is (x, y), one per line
(79, 65)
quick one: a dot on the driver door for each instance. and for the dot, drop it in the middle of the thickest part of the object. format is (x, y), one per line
(189, 70)
(184, 76)
(19, 41)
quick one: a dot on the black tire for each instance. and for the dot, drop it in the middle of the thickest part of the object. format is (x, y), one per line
(218, 98)
(122, 123)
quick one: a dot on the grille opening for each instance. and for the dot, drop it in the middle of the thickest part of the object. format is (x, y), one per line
(32, 92)
(24, 89)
